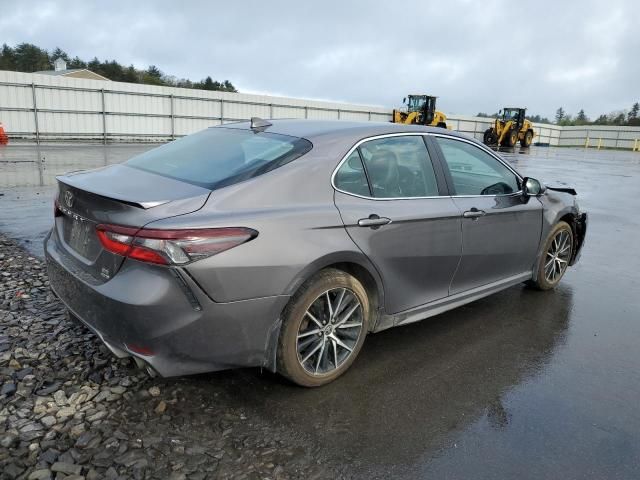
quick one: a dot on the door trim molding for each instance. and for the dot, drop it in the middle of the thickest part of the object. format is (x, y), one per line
(448, 303)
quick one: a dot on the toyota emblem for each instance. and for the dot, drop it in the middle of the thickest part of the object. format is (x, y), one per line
(68, 198)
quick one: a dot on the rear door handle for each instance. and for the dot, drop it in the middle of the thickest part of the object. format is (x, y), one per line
(474, 213)
(373, 221)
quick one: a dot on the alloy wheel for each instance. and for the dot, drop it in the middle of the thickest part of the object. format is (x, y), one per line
(329, 332)
(558, 256)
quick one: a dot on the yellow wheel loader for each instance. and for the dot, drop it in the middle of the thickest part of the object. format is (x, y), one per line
(510, 129)
(421, 110)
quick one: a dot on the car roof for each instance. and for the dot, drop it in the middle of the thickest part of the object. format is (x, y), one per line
(317, 129)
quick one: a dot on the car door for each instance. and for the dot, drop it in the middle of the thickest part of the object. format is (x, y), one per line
(389, 196)
(501, 228)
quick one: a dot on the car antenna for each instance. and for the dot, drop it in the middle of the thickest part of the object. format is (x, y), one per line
(258, 124)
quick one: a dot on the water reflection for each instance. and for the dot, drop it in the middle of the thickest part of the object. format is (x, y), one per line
(37, 165)
(415, 385)
(497, 415)
(516, 149)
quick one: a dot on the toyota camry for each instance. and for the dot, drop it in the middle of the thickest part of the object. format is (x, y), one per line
(284, 243)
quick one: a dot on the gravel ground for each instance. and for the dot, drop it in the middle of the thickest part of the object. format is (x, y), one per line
(69, 409)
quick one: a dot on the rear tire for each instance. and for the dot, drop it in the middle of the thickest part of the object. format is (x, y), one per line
(527, 139)
(323, 330)
(442, 125)
(556, 255)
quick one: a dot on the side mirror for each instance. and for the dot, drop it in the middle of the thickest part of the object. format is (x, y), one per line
(404, 100)
(500, 112)
(532, 187)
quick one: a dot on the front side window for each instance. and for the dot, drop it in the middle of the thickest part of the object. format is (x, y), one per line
(474, 171)
(220, 156)
(399, 167)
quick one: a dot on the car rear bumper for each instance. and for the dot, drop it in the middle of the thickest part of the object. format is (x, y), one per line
(160, 316)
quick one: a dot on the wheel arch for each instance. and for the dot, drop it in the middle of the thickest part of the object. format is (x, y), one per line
(568, 215)
(577, 232)
(352, 263)
(554, 212)
(369, 283)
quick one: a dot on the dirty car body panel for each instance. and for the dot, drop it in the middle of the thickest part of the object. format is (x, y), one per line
(271, 227)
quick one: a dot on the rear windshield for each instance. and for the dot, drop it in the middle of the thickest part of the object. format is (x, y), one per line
(217, 157)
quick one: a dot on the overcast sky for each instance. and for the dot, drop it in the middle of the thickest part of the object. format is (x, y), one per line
(474, 55)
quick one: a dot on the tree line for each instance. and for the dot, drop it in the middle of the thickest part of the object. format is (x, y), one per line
(629, 117)
(29, 58)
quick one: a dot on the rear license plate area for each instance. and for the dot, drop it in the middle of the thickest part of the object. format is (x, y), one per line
(79, 234)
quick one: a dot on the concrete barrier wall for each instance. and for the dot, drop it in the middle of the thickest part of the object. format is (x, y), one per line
(44, 107)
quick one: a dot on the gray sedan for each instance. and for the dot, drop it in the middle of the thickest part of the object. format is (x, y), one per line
(283, 243)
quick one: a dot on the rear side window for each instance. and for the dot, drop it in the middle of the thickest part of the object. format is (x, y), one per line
(218, 157)
(351, 177)
(399, 167)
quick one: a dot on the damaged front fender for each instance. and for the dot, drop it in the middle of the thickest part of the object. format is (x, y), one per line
(579, 234)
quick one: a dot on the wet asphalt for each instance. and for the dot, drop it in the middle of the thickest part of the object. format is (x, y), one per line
(521, 384)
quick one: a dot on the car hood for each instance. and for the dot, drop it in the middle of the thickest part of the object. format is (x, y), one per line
(560, 187)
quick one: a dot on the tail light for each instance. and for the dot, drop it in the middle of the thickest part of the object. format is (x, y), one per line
(171, 247)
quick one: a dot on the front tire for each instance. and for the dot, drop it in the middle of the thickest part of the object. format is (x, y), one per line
(490, 137)
(556, 255)
(324, 327)
(527, 139)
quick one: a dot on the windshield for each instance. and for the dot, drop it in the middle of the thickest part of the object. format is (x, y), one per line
(415, 103)
(220, 156)
(511, 114)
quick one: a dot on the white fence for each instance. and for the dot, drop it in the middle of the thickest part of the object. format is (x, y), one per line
(601, 137)
(44, 107)
(476, 126)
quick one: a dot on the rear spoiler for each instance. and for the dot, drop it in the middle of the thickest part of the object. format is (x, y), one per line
(118, 198)
(132, 186)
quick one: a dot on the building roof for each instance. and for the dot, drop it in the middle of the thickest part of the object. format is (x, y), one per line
(64, 73)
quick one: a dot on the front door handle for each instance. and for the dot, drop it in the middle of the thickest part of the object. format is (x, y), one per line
(373, 221)
(474, 213)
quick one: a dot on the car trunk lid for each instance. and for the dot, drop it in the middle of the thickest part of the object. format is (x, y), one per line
(117, 195)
